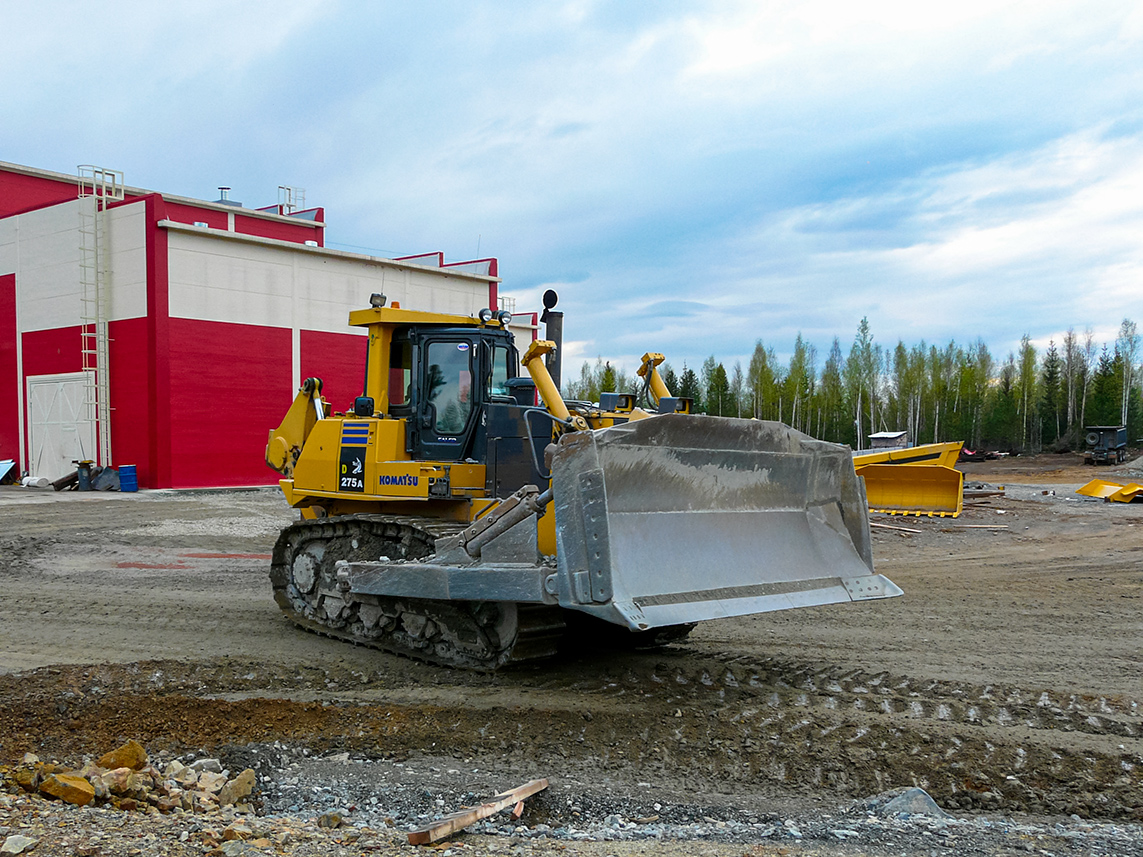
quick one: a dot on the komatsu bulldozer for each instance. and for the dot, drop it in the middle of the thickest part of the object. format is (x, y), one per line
(465, 514)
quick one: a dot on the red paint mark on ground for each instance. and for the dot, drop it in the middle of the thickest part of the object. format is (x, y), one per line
(226, 555)
(151, 565)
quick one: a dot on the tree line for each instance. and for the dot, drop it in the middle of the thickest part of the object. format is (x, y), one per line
(1029, 401)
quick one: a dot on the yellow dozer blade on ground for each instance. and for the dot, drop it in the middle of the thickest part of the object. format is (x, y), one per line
(1115, 491)
(927, 454)
(913, 490)
(926, 484)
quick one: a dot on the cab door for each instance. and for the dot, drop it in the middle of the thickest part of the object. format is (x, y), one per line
(448, 406)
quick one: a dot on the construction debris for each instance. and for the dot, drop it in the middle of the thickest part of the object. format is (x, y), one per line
(976, 494)
(125, 780)
(68, 480)
(453, 822)
(891, 527)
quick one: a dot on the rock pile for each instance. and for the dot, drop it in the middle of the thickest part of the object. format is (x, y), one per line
(126, 780)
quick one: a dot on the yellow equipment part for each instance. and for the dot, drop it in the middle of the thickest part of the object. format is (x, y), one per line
(932, 454)
(915, 490)
(1127, 493)
(1111, 490)
(284, 446)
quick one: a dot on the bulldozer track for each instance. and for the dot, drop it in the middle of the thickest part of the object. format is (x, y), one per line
(781, 685)
(474, 635)
(738, 718)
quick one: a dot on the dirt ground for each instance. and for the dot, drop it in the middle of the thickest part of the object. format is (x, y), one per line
(1007, 679)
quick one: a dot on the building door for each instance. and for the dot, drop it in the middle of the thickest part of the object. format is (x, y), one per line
(59, 431)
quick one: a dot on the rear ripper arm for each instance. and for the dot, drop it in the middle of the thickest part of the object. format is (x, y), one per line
(286, 441)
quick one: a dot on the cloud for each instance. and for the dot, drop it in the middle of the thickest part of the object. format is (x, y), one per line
(996, 249)
(691, 176)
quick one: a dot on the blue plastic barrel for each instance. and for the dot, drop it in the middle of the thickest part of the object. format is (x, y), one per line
(127, 478)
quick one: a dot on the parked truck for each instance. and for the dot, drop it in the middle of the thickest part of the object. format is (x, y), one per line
(1106, 445)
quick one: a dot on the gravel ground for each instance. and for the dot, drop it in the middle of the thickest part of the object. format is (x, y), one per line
(375, 801)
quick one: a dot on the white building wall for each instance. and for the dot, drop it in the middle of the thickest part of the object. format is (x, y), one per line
(127, 239)
(215, 278)
(42, 248)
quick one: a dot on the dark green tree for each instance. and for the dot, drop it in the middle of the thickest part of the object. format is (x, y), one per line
(607, 382)
(1106, 391)
(719, 399)
(689, 387)
(1001, 412)
(1053, 405)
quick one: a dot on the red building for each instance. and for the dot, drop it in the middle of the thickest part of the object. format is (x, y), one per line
(170, 333)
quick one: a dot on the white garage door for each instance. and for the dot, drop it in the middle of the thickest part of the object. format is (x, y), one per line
(60, 431)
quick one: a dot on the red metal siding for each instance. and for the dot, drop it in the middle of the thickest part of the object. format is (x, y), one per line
(132, 418)
(19, 193)
(158, 466)
(229, 385)
(9, 373)
(339, 360)
(300, 233)
(191, 214)
(51, 352)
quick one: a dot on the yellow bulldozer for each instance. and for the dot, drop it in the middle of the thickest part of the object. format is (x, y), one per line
(465, 514)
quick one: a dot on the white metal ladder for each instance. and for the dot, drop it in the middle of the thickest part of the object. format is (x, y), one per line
(98, 187)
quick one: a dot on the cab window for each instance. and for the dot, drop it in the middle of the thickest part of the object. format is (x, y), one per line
(501, 360)
(449, 384)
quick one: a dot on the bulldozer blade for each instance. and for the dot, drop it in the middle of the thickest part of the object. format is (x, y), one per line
(932, 454)
(913, 490)
(1100, 488)
(676, 519)
(1115, 491)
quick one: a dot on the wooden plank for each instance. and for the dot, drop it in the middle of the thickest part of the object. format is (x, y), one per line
(891, 527)
(450, 824)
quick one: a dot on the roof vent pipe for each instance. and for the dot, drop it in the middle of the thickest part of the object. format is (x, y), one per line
(224, 197)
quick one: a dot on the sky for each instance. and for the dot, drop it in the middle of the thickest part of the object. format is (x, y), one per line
(689, 177)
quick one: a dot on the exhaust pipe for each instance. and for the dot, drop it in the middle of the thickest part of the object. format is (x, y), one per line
(554, 332)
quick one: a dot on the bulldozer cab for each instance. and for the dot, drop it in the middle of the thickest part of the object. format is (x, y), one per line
(443, 380)
(456, 383)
